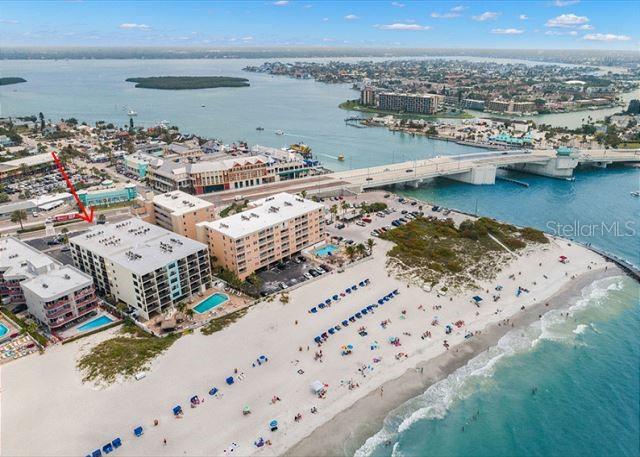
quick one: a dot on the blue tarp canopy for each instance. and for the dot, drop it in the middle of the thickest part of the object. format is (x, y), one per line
(361, 284)
(321, 306)
(213, 391)
(117, 443)
(96, 453)
(177, 410)
(477, 298)
(138, 431)
(335, 297)
(345, 323)
(364, 311)
(331, 331)
(358, 315)
(381, 301)
(230, 380)
(327, 301)
(107, 448)
(313, 310)
(337, 327)
(348, 291)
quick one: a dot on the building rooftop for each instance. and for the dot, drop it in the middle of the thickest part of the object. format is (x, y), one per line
(267, 212)
(179, 203)
(29, 161)
(137, 245)
(182, 167)
(57, 282)
(19, 260)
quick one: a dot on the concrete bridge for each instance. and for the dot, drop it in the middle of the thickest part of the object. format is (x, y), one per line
(478, 169)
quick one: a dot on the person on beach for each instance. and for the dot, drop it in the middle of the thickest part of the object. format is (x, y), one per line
(164, 442)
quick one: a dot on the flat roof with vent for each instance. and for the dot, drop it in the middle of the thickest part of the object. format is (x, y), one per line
(179, 203)
(137, 245)
(267, 212)
(18, 260)
(58, 282)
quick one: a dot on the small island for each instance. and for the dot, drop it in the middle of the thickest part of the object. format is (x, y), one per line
(8, 81)
(188, 82)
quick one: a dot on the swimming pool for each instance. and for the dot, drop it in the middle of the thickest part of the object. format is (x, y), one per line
(95, 323)
(210, 302)
(3, 330)
(325, 250)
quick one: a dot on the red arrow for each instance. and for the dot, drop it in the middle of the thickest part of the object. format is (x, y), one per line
(83, 214)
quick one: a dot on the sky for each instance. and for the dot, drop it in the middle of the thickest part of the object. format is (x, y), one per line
(550, 24)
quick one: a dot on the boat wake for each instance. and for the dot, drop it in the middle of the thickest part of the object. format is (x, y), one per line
(438, 399)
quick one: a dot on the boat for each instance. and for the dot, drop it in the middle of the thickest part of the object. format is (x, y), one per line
(279, 132)
(341, 157)
(259, 129)
(636, 193)
(131, 113)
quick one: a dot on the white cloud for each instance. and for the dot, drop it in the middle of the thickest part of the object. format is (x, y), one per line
(452, 13)
(325, 19)
(486, 16)
(133, 26)
(444, 15)
(351, 17)
(606, 37)
(507, 31)
(328, 40)
(586, 27)
(281, 3)
(558, 33)
(9, 21)
(562, 3)
(523, 17)
(247, 38)
(567, 20)
(402, 26)
(397, 4)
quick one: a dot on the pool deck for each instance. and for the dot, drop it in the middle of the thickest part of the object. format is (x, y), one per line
(18, 346)
(183, 322)
(73, 331)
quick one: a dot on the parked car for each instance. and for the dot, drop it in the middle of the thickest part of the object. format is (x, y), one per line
(308, 275)
(340, 226)
(283, 286)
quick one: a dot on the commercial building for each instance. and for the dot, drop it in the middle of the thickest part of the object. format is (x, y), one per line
(368, 96)
(142, 265)
(634, 107)
(469, 103)
(409, 103)
(58, 296)
(274, 228)
(12, 170)
(498, 106)
(179, 212)
(108, 193)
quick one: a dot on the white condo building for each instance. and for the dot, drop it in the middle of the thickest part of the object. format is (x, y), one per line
(143, 265)
(58, 296)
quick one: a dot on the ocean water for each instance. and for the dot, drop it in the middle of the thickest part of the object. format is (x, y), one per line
(561, 387)
(586, 370)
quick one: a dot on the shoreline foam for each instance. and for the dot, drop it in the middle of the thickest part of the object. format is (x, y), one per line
(348, 431)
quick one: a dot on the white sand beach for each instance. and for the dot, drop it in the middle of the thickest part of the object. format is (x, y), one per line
(47, 410)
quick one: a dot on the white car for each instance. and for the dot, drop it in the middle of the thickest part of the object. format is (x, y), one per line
(283, 286)
(308, 276)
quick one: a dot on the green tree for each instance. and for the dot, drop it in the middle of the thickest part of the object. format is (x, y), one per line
(370, 245)
(361, 250)
(333, 210)
(102, 218)
(19, 216)
(4, 197)
(41, 117)
(351, 252)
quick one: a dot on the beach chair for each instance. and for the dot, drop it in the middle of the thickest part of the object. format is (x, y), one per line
(107, 448)
(138, 431)
(345, 323)
(116, 443)
(96, 453)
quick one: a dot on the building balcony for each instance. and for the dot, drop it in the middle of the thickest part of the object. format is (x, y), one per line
(56, 304)
(58, 312)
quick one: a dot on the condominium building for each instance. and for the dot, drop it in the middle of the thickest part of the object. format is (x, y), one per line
(409, 103)
(274, 228)
(368, 96)
(107, 193)
(179, 212)
(142, 265)
(469, 103)
(498, 106)
(58, 296)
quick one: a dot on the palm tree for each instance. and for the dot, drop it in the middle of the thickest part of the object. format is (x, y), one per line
(303, 194)
(361, 250)
(333, 210)
(351, 252)
(370, 245)
(190, 313)
(284, 298)
(19, 215)
(344, 205)
(65, 234)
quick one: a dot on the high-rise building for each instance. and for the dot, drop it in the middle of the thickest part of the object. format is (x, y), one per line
(58, 296)
(274, 228)
(409, 103)
(179, 212)
(368, 96)
(142, 265)
(634, 107)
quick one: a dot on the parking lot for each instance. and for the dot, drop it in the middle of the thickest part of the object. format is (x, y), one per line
(289, 273)
(57, 250)
(398, 209)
